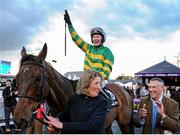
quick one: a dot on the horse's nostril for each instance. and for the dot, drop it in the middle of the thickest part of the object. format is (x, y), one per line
(16, 121)
(23, 124)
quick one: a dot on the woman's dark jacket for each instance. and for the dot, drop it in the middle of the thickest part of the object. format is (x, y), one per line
(84, 114)
(9, 101)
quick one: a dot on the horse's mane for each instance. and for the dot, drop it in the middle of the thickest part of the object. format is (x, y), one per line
(62, 87)
(74, 82)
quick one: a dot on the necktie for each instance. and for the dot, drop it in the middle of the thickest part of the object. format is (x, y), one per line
(154, 118)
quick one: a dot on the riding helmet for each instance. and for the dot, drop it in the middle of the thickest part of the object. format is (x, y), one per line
(98, 30)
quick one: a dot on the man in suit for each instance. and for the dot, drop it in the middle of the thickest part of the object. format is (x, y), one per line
(158, 114)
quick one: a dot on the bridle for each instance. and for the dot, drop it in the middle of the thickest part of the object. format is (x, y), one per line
(41, 98)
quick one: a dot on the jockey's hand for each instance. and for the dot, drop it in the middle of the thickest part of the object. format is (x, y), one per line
(67, 18)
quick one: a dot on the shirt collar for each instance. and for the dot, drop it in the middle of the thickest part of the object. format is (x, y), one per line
(154, 102)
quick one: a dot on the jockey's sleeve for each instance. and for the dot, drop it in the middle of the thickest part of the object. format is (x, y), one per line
(77, 39)
(108, 62)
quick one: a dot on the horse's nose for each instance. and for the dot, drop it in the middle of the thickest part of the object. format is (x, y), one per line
(21, 124)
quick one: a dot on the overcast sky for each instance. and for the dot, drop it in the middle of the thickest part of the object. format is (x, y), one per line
(140, 33)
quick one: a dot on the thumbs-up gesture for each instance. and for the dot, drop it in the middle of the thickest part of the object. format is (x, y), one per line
(143, 111)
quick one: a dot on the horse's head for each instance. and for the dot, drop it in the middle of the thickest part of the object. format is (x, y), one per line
(32, 85)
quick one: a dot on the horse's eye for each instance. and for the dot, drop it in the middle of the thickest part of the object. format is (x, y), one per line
(39, 78)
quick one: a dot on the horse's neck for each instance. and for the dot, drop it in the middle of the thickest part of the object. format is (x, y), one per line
(61, 88)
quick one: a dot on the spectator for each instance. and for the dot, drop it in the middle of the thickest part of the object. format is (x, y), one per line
(166, 91)
(144, 91)
(138, 90)
(9, 95)
(85, 112)
(157, 114)
(176, 95)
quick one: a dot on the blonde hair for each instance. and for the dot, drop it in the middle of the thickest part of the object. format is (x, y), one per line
(85, 80)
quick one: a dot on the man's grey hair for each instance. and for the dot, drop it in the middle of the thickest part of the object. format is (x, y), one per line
(161, 82)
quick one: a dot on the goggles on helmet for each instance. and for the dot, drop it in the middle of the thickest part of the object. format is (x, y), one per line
(98, 30)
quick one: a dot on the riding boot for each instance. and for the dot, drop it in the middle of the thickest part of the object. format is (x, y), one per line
(109, 100)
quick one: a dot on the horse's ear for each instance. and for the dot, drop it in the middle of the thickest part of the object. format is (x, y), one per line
(42, 55)
(23, 52)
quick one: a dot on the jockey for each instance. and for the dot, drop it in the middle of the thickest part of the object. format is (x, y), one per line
(97, 56)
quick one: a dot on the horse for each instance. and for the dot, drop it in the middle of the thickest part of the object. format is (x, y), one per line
(37, 82)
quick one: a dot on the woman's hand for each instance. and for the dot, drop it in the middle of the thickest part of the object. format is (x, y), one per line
(54, 122)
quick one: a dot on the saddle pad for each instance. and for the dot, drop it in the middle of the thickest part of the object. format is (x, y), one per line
(110, 94)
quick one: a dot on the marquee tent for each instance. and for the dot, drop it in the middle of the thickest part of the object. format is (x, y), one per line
(164, 70)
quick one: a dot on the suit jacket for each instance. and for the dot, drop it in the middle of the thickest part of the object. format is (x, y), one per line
(171, 121)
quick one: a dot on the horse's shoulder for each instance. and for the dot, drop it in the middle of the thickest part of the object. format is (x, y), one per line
(111, 84)
(114, 87)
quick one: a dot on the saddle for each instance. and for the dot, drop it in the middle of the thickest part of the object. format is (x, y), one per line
(111, 98)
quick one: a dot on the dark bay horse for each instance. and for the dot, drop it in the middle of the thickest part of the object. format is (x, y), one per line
(37, 81)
